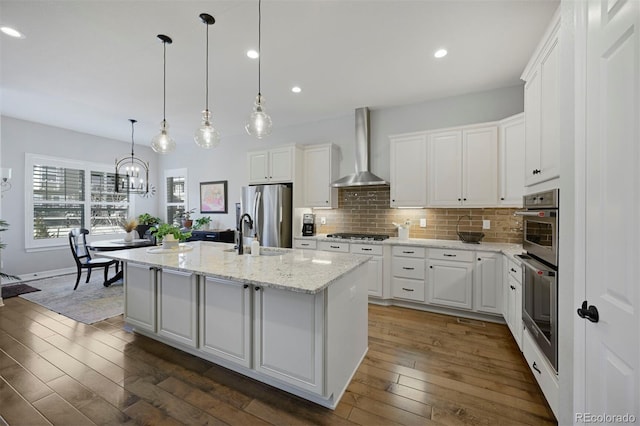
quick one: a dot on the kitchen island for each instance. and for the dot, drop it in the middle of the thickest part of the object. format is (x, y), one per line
(294, 319)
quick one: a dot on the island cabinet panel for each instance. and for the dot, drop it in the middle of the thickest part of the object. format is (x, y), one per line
(140, 296)
(177, 307)
(289, 337)
(225, 318)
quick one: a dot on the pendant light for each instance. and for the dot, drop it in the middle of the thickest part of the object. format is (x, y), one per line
(207, 136)
(259, 122)
(162, 142)
(132, 173)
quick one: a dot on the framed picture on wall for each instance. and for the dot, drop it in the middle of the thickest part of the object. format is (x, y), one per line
(213, 197)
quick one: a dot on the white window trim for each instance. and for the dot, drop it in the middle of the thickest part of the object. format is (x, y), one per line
(32, 245)
(182, 172)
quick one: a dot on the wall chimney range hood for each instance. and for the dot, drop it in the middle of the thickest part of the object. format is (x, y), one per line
(362, 176)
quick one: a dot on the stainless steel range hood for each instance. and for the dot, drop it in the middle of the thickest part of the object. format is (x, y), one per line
(362, 176)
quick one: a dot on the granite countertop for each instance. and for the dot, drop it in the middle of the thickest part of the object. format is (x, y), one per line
(506, 248)
(295, 270)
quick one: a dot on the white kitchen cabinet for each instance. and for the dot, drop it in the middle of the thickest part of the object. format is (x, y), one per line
(408, 273)
(320, 164)
(513, 300)
(541, 108)
(487, 283)
(408, 168)
(463, 167)
(511, 146)
(542, 370)
(376, 263)
(177, 307)
(140, 296)
(305, 243)
(289, 337)
(226, 320)
(271, 166)
(450, 281)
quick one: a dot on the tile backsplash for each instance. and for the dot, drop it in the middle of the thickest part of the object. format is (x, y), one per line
(367, 210)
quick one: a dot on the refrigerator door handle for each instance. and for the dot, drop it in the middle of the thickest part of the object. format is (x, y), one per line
(255, 212)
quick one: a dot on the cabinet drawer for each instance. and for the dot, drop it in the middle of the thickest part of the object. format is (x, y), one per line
(305, 244)
(404, 288)
(515, 271)
(331, 246)
(406, 251)
(542, 371)
(408, 268)
(370, 249)
(456, 255)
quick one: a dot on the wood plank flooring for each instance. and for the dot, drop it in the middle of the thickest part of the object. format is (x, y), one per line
(421, 368)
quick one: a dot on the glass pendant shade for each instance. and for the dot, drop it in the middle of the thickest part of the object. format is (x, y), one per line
(162, 142)
(259, 121)
(207, 136)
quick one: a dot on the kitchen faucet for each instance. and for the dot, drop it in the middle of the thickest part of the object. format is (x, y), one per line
(243, 218)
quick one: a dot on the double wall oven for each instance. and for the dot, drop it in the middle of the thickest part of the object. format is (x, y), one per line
(540, 270)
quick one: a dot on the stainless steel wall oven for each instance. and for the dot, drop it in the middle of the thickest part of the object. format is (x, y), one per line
(540, 271)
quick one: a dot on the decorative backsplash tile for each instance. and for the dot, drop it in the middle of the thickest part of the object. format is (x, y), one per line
(367, 210)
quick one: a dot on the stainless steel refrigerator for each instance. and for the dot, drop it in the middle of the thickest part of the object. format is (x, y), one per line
(270, 208)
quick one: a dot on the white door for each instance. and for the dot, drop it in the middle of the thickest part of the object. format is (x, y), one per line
(225, 320)
(445, 169)
(258, 166)
(280, 165)
(178, 307)
(408, 171)
(612, 203)
(480, 167)
(317, 177)
(450, 283)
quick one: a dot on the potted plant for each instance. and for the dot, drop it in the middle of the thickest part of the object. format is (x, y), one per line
(202, 223)
(185, 217)
(129, 225)
(170, 235)
(146, 222)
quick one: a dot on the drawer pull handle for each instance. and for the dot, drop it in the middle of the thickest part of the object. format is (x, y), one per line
(535, 367)
(334, 246)
(304, 244)
(407, 289)
(449, 255)
(408, 268)
(408, 252)
(366, 249)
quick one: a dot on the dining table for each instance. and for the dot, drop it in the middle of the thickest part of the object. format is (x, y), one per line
(120, 244)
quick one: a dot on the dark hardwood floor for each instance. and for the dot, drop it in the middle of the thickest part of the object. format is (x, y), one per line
(421, 368)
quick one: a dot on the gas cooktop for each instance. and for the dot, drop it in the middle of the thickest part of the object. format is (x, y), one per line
(365, 237)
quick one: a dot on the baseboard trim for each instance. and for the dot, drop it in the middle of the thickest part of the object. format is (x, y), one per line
(39, 275)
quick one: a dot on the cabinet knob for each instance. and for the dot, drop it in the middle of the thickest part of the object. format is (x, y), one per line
(431, 266)
(327, 201)
(393, 201)
(502, 198)
(258, 288)
(246, 286)
(459, 199)
(464, 199)
(270, 177)
(479, 259)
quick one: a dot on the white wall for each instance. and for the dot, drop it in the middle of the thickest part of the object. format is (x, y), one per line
(228, 161)
(20, 137)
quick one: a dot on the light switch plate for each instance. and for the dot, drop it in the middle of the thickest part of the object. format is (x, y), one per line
(323, 221)
(423, 222)
(486, 224)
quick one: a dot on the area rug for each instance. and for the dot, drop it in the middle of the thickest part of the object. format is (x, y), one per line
(14, 290)
(90, 303)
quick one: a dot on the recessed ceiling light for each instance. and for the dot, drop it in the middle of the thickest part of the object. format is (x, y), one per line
(253, 54)
(11, 32)
(441, 53)
(296, 89)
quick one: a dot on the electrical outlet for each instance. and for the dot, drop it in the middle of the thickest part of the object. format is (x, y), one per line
(423, 222)
(323, 221)
(486, 224)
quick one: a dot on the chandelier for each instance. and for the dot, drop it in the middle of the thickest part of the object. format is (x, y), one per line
(132, 173)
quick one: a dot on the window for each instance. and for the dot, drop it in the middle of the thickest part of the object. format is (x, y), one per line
(176, 191)
(65, 194)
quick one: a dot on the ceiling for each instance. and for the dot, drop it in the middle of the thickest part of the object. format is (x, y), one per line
(90, 65)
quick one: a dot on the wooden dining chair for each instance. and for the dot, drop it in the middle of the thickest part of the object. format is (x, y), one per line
(80, 251)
